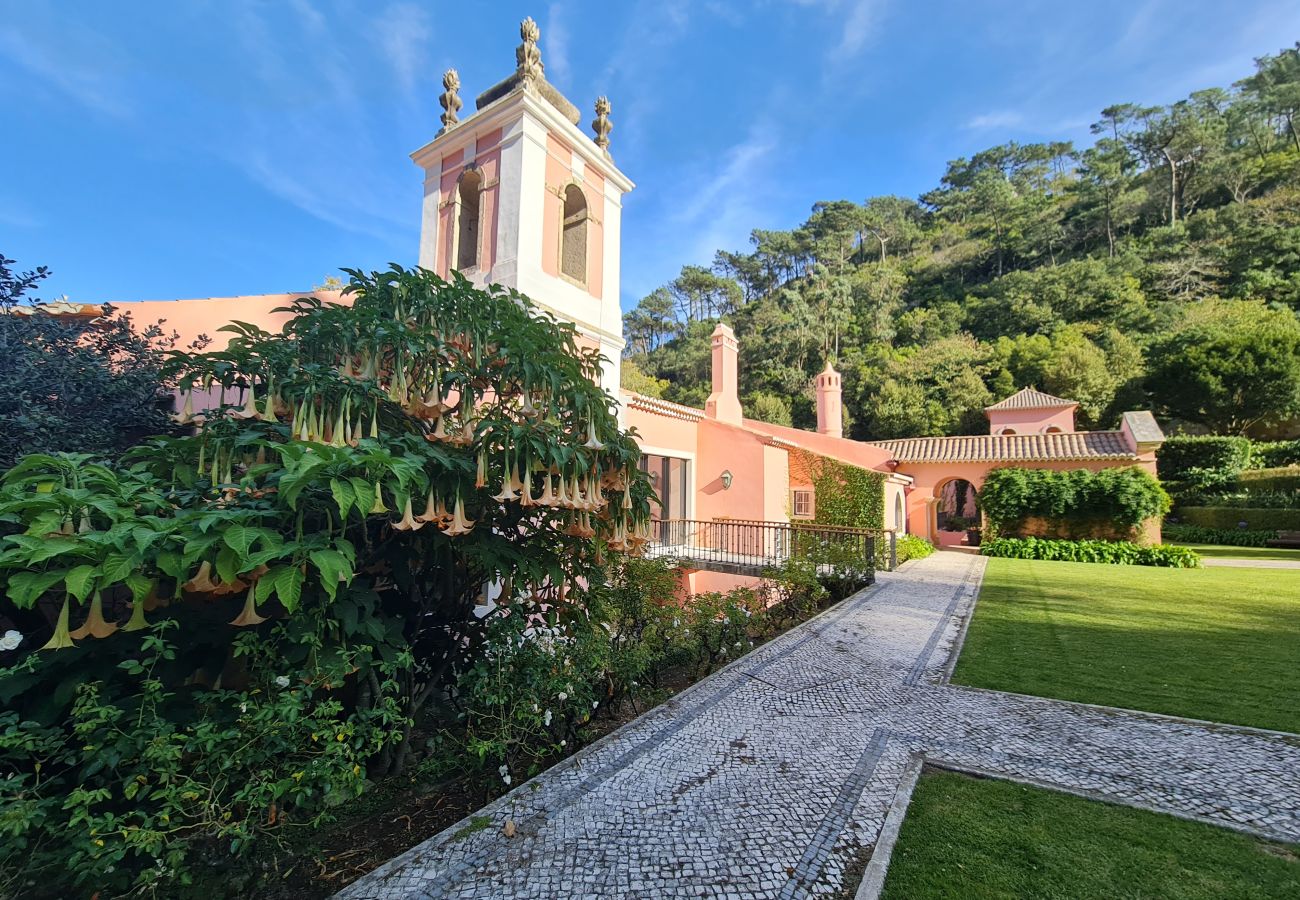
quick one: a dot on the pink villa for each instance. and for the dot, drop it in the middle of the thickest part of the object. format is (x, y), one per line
(517, 193)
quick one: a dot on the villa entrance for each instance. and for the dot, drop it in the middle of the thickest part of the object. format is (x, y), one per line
(957, 519)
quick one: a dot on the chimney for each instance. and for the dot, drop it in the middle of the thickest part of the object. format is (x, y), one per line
(724, 403)
(830, 410)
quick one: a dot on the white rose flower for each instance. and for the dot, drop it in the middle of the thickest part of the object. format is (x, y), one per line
(282, 681)
(503, 770)
(507, 779)
(11, 640)
(563, 696)
(546, 720)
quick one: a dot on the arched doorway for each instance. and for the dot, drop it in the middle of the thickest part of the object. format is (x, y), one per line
(900, 514)
(957, 517)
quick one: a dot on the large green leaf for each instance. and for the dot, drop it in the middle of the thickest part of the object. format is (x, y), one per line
(80, 580)
(288, 587)
(333, 567)
(25, 588)
(344, 496)
(240, 538)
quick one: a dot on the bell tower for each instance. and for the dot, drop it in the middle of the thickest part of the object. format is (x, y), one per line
(517, 194)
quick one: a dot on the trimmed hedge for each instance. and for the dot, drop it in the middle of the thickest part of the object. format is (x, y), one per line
(1226, 537)
(1116, 553)
(1073, 502)
(1229, 518)
(1202, 462)
(1273, 454)
(1283, 479)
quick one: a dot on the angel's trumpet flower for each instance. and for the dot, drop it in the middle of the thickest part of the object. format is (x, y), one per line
(61, 639)
(526, 498)
(202, 581)
(430, 513)
(562, 494)
(95, 626)
(186, 415)
(248, 615)
(439, 430)
(480, 477)
(593, 442)
(378, 508)
(137, 621)
(249, 410)
(548, 495)
(408, 522)
(459, 524)
(508, 489)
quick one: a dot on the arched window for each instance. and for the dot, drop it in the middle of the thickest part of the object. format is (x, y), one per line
(1007, 431)
(1052, 429)
(573, 235)
(467, 219)
(900, 516)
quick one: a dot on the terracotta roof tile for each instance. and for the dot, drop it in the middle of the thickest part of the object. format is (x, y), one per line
(1011, 447)
(1029, 398)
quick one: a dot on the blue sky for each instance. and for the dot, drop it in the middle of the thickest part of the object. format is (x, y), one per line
(187, 148)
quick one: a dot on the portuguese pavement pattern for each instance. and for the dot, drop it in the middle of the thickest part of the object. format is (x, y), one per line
(773, 777)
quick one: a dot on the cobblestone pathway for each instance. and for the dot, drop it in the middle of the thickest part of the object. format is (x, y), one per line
(769, 778)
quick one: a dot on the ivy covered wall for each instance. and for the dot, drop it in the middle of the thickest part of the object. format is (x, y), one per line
(843, 494)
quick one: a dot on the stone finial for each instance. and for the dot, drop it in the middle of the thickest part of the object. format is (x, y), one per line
(527, 55)
(601, 124)
(450, 99)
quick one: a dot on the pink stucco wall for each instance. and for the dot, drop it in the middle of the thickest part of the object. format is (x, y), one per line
(1031, 421)
(559, 175)
(205, 315)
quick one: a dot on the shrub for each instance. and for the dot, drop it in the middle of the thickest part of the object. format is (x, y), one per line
(1201, 462)
(1274, 454)
(1072, 502)
(1231, 518)
(1279, 480)
(1250, 500)
(912, 547)
(1121, 553)
(1230, 537)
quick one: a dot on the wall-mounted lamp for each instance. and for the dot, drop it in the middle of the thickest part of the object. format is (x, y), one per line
(726, 479)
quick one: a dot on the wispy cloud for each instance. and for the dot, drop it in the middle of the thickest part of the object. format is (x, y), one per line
(403, 33)
(328, 169)
(856, 21)
(1005, 118)
(80, 65)
(555, 40)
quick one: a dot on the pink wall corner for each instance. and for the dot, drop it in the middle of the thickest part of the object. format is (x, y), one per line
(1031, 421)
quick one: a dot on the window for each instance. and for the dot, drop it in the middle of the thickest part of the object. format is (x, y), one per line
(803, 504)
(900, 514)
(1007, 431)
(467, 220)
(1052, 429)
(668, 477)
(573, 235)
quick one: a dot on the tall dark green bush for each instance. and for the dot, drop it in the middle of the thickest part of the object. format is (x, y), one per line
(1201, 462)
(1076, 501)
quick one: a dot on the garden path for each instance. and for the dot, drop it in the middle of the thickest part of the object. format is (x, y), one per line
(774, 777)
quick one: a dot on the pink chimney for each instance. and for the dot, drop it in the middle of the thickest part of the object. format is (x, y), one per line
(724, 403)
(830, 408)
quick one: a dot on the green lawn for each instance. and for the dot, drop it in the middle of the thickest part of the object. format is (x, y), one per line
(1226, 552)
(1217, 644)
(967, 837)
